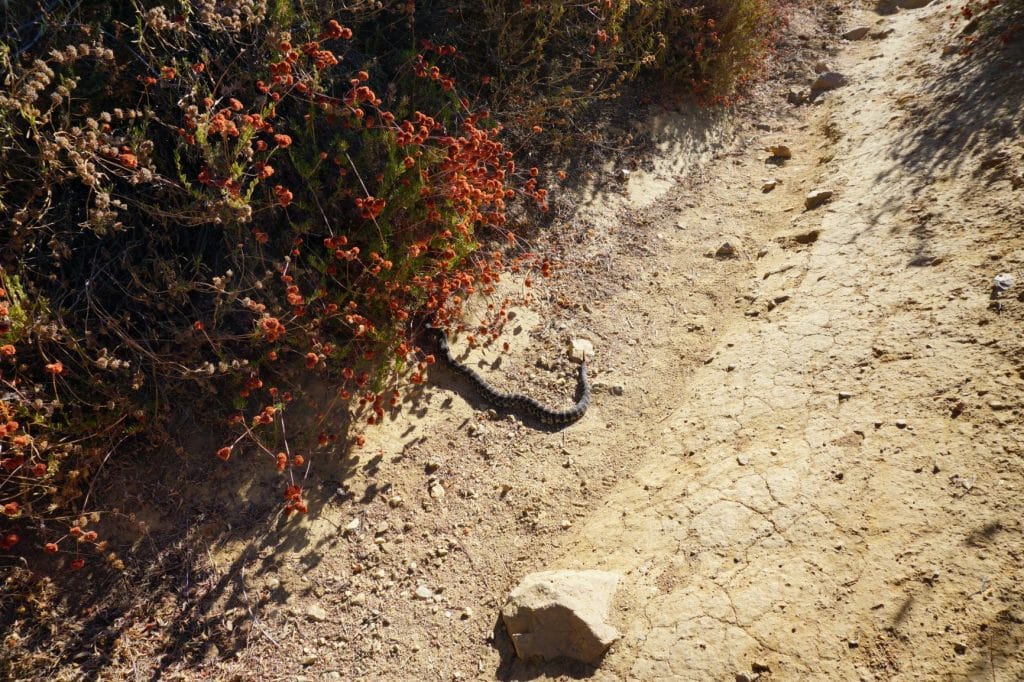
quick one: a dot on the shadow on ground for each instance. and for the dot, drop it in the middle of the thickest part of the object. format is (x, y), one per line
(974, 131)
(173, 603)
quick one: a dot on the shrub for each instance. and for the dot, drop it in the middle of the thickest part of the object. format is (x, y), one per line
(236, 216)
(1002, 18)
(204, 199)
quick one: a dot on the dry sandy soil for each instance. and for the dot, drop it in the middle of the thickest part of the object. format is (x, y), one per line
(805, 460)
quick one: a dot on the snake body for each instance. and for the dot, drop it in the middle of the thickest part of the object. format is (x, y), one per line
(515, 402)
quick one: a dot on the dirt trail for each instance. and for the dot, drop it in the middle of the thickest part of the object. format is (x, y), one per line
(804, 460)
(837, 492)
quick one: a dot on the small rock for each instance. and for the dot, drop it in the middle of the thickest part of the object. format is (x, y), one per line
(436, 491)
(852, 643)
(881, 35)
(557, 614)
(913, 4)
(780, 151)
(308, 660)
(1002, 283)
(796, 96)
(886, 7)
(617, 389)
(424, 592)
(742, 461)
(857, 33)
(817, 198)
(829, 80)
(382, 528)
(844, 395)
(352, 525)
(821, 67)
(273, 583)
(726, 250)
(901, 424)
(467, 613)
(743, 677)
(960, 648)
(951, 49)
(316, 613)
(581, 349)
(769, 185)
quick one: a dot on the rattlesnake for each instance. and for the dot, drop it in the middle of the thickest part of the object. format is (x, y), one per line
(516, 402)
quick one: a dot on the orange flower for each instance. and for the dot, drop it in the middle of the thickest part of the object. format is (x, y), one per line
(298, 460)
(167, 72)
(9, 540)
(128, 160)
(7, 350)
(224, 453)
(50, 548)
(11, 509)
(282, 140)
(89, 536)
(39, 469)
(55, 368)
(198, 67)
(75, 532)
(311, 360)
(284, 197)
(77, 564)
(282, 461)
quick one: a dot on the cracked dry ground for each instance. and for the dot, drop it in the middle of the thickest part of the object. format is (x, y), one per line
(815, 468)
(838, 493)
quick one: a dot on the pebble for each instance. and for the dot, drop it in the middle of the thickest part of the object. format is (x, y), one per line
(742, 461)
(382, 528)
(960, 648)
(726, 250)
(316, 613)
(308, 660)
(581, 349)
(424, 592)
(769, 185)
(352, 525)
(829, 80)
(858, 33)
(273, 583)
(817, 198)
(901, 424)
(467, 613)
(1002, 282)
(617, 389)
(437, 491)
(780, 151)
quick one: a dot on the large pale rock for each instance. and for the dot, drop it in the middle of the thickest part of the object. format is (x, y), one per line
(556, 614)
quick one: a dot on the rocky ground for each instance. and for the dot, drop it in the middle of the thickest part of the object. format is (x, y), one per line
(804, 451)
